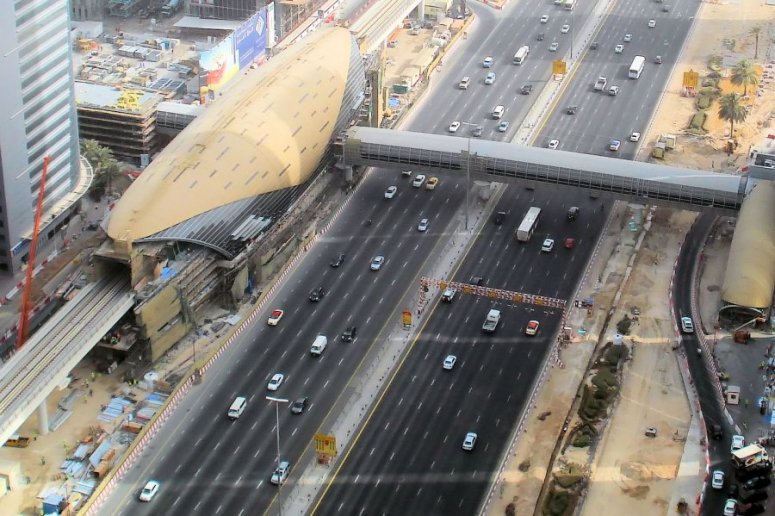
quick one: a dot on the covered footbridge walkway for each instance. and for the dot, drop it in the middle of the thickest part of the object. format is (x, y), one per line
(530, 166)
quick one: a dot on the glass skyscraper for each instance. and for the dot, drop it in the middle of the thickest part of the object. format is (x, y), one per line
(37, 118)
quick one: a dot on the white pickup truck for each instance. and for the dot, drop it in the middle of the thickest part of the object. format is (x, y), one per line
(492, 320)
(600, 83)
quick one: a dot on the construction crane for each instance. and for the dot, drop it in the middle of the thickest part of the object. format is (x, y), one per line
(24, 314)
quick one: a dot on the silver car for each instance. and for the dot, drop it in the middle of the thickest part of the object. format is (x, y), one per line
(376, 263)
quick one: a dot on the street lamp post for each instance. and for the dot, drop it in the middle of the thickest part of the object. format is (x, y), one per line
(277, 402)
(468, 170)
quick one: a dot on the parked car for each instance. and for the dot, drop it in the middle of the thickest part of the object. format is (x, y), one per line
(738, 441)
(687, 326)
(757, 482)
(730, 507)
(755, 496)
(718, 480)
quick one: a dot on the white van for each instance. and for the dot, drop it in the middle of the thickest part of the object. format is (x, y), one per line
(497, 113)
(318, 346)
(237, 408)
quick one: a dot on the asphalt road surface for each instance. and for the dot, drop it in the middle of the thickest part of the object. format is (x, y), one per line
(408, 459)
(712, 411)
(602, 117)
(208, 464)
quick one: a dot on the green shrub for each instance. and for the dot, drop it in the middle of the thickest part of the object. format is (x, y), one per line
(613, 354)
(567, 481)
(581, 440)
(556, 503)
(698, 121)
(623, 326)
(711, 88)
(703, 102)
(714, 63)
(511, 509)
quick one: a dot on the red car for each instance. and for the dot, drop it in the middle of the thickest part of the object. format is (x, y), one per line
(275, 317)
(570, 243)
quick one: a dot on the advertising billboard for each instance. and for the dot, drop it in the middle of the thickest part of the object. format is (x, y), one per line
(250, 39)
(218, 64)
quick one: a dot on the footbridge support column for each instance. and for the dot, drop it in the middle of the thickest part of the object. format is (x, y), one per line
(43, 418)
(347, 170)
(421, 11)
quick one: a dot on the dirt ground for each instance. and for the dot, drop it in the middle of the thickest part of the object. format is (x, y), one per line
(632, 472)
(723, 29)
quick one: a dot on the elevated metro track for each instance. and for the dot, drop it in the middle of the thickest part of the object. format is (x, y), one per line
(57, 347)
(377, 23)
(506, 162)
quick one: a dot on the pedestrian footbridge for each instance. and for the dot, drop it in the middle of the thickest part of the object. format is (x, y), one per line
(506, 162)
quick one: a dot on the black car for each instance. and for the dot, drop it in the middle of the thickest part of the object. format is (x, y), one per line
(754, 508)
(526, 89)
(757, 482)
(298, 406)
(717, 432)
(594, 45)
(757, 470)
(477, 131)
(339, 260)
(349, 333)
(499, 218)
(573, 212)
(540, 36)
(572, 110)
(734, 491)
(477, 280)
(317, 294)
(754, 496)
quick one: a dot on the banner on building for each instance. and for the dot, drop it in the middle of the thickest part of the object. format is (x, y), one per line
(250, 40)
(218, 64)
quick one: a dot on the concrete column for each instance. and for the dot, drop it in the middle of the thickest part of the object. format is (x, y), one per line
(348, 173)
(421, 11)
(43, 418)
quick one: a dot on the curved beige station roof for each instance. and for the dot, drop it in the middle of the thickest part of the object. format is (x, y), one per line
(266, 132)
(750, 276)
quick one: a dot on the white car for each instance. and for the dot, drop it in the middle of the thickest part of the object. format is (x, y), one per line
(532, 327)
(687, 326)
(618, 49)
(454, 126)
(488, 62)
(718, 480)
(652, 24)
(554, 46)
(149, 491)
(376, 263)
(449, 362)
(627, 38)
(547, 246)
(423, 225)
(418, 180)
(490, 79)
(553, 144)
(738, 442)
(464, 82)
(280, 473)
(614, 145)
(391, 192)
(565, 29)
(613, 91)
(545, 18)
(276, 381)
(275, 317)
(635, 136)
(469, 441)
(730, 507)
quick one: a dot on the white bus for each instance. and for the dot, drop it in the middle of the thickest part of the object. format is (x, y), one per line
(636, 68)
(528, 224)
(569, 5)
(521, 55)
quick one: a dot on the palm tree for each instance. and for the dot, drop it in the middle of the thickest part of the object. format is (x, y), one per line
(744, 74)
(755, 31)
(105, 165)
(731, 109)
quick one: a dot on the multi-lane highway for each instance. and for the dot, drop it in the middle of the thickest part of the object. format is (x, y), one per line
(408, 459)
(411, 446)
(210, 465)
(601, 117)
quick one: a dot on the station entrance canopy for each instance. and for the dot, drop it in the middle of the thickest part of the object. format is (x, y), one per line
(511, 163)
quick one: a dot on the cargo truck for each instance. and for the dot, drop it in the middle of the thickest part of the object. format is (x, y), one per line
(491, 321)
(171, 7)
(748, 456)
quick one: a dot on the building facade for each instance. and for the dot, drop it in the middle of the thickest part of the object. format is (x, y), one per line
(38, 116)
